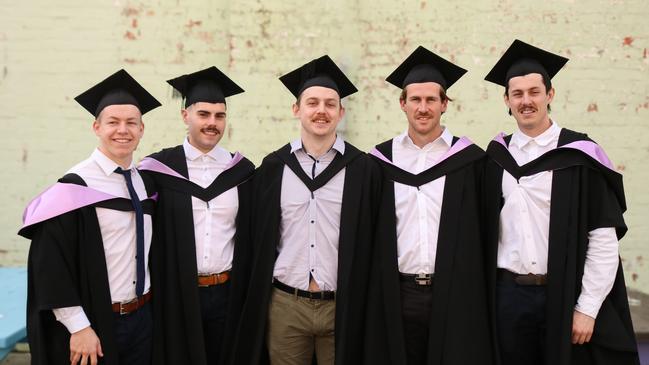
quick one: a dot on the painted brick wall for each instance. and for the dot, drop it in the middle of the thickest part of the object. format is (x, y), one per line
(52, 50)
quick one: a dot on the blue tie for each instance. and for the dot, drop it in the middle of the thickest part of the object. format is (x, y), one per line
(139, 228)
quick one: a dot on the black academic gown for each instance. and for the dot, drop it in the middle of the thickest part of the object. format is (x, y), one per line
(356, 218)
(66, 267)
(459, 327)
(585, 195)
(177, 316)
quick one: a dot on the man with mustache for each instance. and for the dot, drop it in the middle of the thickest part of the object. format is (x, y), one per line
(554, 207)
(201, 246)
(427, 299)
(88, 298)
(312, 226)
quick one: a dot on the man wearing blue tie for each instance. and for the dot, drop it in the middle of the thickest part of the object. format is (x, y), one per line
(88, 282)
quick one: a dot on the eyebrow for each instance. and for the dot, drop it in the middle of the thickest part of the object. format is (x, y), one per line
(209, 112)
(313, 98)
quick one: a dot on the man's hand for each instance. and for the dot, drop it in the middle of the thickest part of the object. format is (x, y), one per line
(582, 328)
(84, 347)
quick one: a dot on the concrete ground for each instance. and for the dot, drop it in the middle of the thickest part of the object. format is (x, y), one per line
(639, 312)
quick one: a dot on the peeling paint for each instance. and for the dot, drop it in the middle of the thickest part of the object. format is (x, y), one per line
(592, 107)
(134, 23)
(129, 35)
(130, 11)
(627, 41)
(193, 23)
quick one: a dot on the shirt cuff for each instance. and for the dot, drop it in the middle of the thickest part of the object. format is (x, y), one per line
(73, 318)
(588, 306)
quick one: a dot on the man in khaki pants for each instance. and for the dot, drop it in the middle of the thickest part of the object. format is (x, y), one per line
(312, 235)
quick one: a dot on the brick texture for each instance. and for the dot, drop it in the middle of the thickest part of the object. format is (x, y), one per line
(51, 51)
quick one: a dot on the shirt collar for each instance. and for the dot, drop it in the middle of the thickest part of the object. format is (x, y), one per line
(107, 165)
(445, 138)
(217, 153)
(550, 135)
(339, 145)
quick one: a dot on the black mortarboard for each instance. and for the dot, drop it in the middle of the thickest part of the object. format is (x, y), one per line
(118, 88)
(209, 85)
(424, 66)
(319, 72)
(521, 59)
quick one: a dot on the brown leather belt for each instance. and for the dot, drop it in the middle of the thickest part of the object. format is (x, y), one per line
(419, 279)
(132, 306)
(522, 279)
(213, 279)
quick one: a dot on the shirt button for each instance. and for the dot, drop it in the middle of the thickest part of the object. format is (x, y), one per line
(312, 270)
(312, 245)
(312, 221)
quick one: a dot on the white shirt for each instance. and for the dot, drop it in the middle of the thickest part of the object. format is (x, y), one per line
(525, 225)
(418, 210)
(214, 221)
(118, 233)
(310, 224)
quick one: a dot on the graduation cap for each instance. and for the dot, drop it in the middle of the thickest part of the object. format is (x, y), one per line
(521, 59)
(425, 66)
(209, 85)
(117, 89)
(319, 72)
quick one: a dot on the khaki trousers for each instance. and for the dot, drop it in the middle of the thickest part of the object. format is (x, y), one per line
(297, 326)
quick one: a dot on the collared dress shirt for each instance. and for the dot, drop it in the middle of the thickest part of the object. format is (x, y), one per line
(418, 209)
(525, 225)
(118, 232)
(310, 223)
(214, 221)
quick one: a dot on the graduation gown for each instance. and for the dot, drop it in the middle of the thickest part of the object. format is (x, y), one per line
(587, 193)
(459, 327)
(177, 315)
(356, 219)
(66, 267)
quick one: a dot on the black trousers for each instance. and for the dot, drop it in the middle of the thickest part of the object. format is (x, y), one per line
(133, 334)
(416, 305)
(214, 305)
(520, 316)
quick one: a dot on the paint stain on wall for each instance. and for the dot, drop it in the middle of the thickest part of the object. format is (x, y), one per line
(627, 41)
(130, 11)
(193, 23)
(129, 35)
(592, 107)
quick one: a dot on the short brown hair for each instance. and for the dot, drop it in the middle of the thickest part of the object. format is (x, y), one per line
(442, 95)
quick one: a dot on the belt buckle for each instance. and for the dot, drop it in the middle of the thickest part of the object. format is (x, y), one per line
(122, 310)
(423, 279)
(203, 285)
